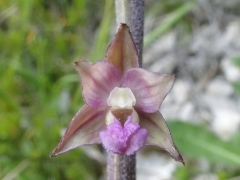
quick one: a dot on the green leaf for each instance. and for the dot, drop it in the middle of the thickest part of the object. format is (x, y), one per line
(197, 142)
(236, 61)
(171, 20)
(102, 38)
(236, 87)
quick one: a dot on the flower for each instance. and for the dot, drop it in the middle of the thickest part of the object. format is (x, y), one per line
(122, 103)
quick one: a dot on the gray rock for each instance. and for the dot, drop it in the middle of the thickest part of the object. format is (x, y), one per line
(230, 71)
(154, 166)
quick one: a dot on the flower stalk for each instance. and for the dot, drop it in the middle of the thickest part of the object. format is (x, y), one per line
(121, 167)
(131, 12)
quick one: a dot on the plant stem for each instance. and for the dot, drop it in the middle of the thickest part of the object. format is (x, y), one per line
(131, 12)
(121, 167)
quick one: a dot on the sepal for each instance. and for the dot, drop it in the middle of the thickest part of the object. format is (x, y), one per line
(83, 129)
(159, 134)
(122, 51)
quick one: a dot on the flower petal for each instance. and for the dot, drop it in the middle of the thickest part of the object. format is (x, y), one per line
(83, 129)
(122, 51)
(123, 140)
(159, 134)
(98, 80)
(149, 89)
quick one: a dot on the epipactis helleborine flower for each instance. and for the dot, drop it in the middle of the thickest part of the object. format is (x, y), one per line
(122, 103)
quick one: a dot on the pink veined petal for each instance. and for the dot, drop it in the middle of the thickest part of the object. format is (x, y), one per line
(98, 80)
(149, 89)
(83, 129)
(159, 134)
(123, 140)
(122, 51)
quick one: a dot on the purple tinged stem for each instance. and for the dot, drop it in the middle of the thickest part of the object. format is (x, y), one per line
(122, 167)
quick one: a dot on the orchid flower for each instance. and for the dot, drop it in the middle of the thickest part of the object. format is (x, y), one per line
(122, 103)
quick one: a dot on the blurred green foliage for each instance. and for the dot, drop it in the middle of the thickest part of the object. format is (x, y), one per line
(40, 92)
(197, 142)
(236, 85)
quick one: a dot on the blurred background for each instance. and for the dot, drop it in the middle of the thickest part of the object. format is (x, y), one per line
(199, 41)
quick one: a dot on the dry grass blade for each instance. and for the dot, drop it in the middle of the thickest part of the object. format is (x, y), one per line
(18, 169)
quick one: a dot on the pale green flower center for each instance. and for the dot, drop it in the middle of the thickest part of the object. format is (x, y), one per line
(121, 98)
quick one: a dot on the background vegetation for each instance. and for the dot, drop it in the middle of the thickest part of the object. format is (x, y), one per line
(40, 92)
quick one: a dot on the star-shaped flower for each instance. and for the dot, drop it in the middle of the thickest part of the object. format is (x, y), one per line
(122, 103)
